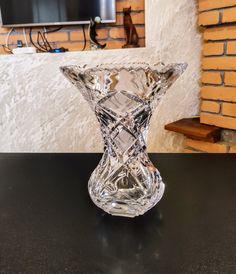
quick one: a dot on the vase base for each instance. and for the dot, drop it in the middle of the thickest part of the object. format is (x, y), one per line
(129, 208)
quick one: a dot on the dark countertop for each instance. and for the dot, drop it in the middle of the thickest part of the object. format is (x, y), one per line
(48, 224)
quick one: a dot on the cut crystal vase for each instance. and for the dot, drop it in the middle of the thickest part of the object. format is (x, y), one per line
(123, 97)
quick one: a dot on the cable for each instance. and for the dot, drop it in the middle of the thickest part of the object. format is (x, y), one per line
(43, 47)
(8, 36)
(47, 45)
(6, 46)
(7, 50)
(32, 42)
(24, 33)
(45, 39)
(85, 41)
(46, 42)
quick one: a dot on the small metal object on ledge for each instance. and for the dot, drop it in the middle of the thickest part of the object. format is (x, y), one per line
(192, 128)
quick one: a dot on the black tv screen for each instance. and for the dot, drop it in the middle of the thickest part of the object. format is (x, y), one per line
(55, 12)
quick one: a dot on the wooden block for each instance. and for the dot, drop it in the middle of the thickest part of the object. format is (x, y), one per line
(192, 128)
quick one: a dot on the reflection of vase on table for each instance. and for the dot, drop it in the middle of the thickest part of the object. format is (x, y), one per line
(123, 97)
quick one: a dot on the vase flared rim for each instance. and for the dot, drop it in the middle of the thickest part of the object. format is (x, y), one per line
(128, 66)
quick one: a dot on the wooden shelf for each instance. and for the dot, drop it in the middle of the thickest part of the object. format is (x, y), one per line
(192, 128)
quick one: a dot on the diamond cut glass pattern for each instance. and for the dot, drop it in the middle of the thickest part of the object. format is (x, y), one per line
(123, 97)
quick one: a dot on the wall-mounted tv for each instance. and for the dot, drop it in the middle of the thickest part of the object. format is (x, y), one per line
(23, 13)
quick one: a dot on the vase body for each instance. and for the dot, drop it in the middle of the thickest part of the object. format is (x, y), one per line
(123, 97)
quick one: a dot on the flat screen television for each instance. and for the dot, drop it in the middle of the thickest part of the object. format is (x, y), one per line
(23, 13)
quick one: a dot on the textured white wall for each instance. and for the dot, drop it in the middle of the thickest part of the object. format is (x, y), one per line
(40, 111)
(173, 32)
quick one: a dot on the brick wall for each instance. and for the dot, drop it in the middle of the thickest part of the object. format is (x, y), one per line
(72, 37)
(218, 21)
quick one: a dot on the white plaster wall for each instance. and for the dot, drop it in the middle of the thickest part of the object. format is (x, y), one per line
(176, 39)
(40, 111)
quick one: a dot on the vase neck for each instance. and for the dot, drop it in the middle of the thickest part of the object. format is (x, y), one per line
(124, 121)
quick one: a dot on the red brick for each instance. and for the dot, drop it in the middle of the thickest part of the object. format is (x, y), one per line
(219, 63)
(102, 33)
(13, 39)
(211, 78)
(210, 106)
(229, 109)
(230, 79)
(4, 30)
(213, 49)
(205, 146)
(141, 32)
(78, 36)
(116, 33)
(231, 48)
(220, 33)
(209, 18)
(115, 44)
(58, 37)
(138, 19)
(229, 15)
(219, 93)
(215, 4)
(218, 120)
(137, 5)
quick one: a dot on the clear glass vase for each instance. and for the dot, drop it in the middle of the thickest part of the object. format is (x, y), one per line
(123, 97)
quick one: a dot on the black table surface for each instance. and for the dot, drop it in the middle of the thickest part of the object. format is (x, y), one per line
(48, 224)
